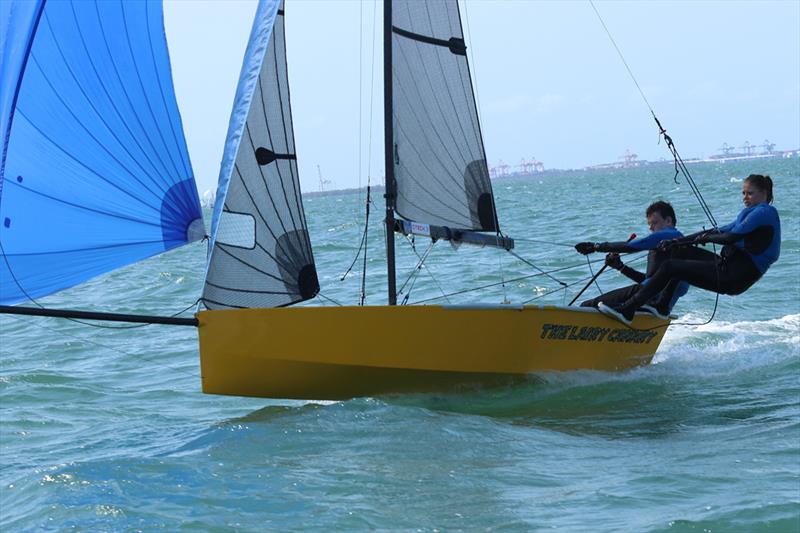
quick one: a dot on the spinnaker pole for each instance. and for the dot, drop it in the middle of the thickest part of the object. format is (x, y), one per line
(94, 315)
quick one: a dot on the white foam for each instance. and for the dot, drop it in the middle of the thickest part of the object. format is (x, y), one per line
(729, 346)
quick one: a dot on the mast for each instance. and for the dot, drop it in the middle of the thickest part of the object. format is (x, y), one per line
(389, 149)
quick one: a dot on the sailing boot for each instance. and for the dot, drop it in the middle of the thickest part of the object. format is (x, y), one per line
(660, 306)
(619, 312)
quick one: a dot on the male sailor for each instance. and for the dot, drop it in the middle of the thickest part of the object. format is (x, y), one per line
(661, 221)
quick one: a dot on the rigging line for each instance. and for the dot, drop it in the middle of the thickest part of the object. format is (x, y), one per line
(619, 52)
(363, 294)
(94, 108)
(414, 275)
(329, 299)
(552, 243)
(580, 281)
(477, 104)
(37, 324)
(101, 326)
(680, 164)
(477, 97)
(670, 145)
(716, 302)
(366, 243)
(360, 98)
(417, 268)
(427, 270)
(371, 94)
(358, 254)
(537, 268)
(529, 276)
(591, 271)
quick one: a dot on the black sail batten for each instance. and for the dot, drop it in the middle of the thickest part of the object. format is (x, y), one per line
(455, 44)
(438, 163)
(265, 156)
(261, 255)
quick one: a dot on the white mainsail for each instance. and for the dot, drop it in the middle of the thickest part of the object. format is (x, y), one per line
(439, 161)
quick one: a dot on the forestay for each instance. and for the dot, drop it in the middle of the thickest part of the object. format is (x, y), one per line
(439, 161)
(95, 173)
(261, 254)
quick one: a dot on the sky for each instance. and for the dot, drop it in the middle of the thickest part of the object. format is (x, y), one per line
(550, 84)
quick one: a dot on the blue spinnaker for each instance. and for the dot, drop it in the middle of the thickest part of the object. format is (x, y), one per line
(95, 171)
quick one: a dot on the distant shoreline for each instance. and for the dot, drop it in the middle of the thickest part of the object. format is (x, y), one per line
(557, 172)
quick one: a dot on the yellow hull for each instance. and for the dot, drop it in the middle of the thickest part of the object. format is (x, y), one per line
(343, 352)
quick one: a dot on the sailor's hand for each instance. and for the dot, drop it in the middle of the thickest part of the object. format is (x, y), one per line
(700, 239)
(586, 248)
(613, 261)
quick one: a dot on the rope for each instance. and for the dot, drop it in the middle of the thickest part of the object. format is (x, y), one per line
(106, 347)
(77, 321)
(589, 264)
(329, 299)
(417, 268)
(514, 280)
(634, 260)
(552, 243)
(537, 268)
(680, 166)
(438, 285)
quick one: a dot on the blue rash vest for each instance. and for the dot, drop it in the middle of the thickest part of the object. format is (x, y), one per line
(760, 228)
(651, 242)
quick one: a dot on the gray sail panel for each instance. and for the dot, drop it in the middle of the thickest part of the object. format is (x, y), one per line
(261, 255)
(439, 160)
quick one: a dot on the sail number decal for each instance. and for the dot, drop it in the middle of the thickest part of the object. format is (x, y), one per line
(416, 228)
(561, 332)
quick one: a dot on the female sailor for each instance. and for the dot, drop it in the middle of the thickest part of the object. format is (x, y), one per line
(751, 243)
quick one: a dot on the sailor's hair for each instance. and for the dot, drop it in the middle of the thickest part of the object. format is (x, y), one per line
(664, 209)
(762, 183)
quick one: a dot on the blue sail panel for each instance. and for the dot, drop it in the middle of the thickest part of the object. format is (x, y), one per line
(95, 171)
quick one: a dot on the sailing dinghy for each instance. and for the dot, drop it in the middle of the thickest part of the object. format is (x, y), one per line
(138, 198)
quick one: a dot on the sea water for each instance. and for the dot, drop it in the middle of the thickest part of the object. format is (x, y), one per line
(105, 429)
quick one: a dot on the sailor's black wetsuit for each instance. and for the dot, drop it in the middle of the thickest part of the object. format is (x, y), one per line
(654, 259)
(751, 244)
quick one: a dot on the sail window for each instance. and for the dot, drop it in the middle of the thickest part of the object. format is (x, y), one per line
(237, 229)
